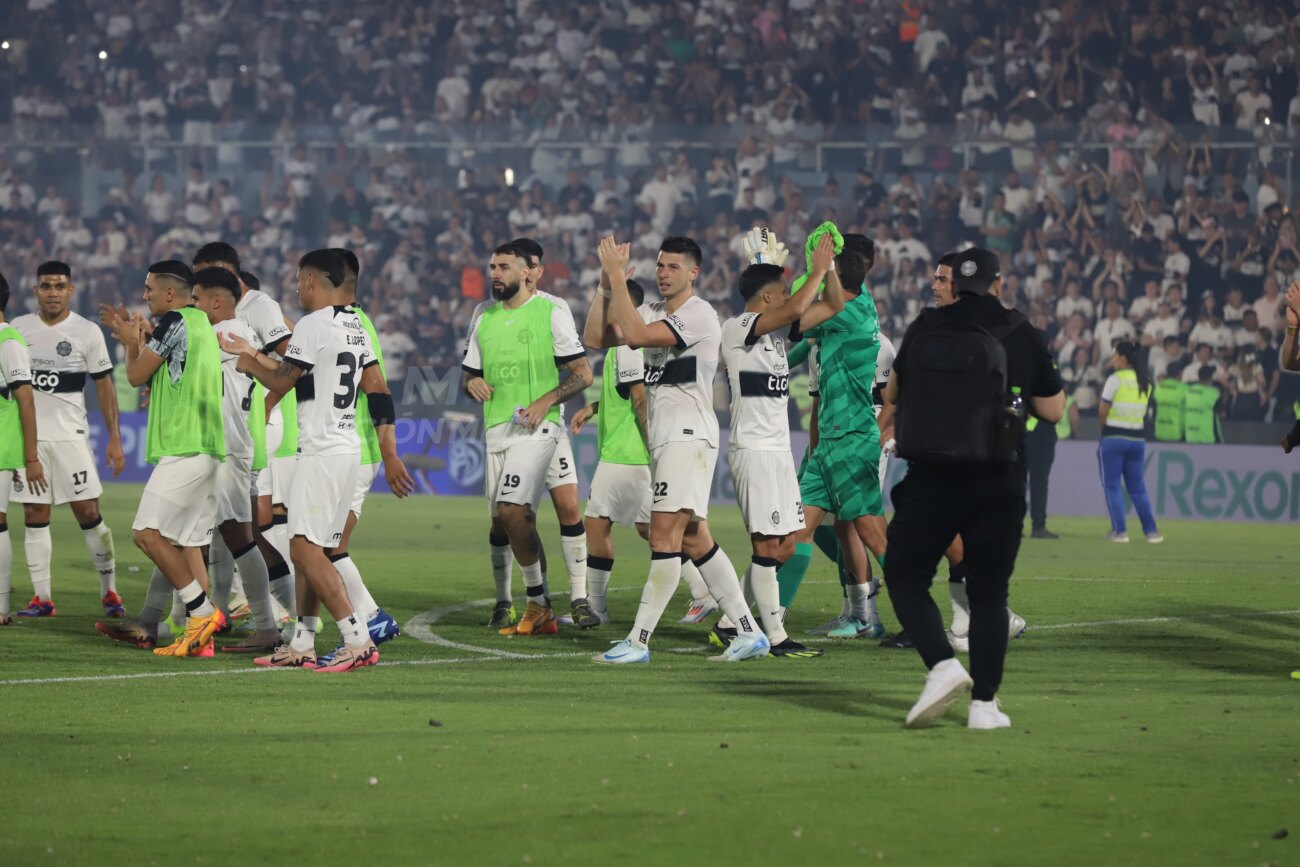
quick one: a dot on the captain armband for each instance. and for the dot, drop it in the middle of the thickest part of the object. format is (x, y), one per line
(381, 409)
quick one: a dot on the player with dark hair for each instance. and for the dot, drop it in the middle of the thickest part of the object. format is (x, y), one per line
(329, 349)
(65, 349)
(682, 336)
(18, 438)
(512, 360)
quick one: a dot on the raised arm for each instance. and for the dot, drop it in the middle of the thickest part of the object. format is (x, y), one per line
(636, 333)
(796, 308)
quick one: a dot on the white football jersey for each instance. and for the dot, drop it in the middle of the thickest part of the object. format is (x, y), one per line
(237, 391)
(332, 349)
(759, 375)
(263, 315)
(884, 367)
(559, 302)
(679, 379)
(63, 355)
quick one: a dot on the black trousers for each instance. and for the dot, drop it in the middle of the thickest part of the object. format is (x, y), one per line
(1040, 453)
(931, 505)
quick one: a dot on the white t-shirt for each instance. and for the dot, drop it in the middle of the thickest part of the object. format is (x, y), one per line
(1107, 332)
(236, 391)
(759, 375)
(332, 349)
(62, 356)
(679, 378)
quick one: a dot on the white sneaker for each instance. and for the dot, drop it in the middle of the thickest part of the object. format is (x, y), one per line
(945, 683)
(959, 641)
(987, 715)
(1117, 537)
(1155, 538)
(699, 610)
(1015, 624)
(744, 647)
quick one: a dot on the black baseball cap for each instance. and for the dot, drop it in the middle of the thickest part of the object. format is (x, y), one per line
(975, 270)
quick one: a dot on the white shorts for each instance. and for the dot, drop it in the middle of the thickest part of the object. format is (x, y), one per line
(282, 472)
(517, 465)
(682, 477)
(265, 480)
(562, 470)
(70, 474)
(767, 491)
(262, 482)
(180, 500)
(366, 475)
(321, 497)
(621, 493)
(234, 478)
(6, 488)
(884, 467)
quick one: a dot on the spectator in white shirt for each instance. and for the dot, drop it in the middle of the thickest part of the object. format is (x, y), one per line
(1250, 101)
(1110, 328)
(1018, 197)
(665, 196)
(1211, 329)
(1073, 302)
(1204, 356)
(1268, 307)
(1161, 326)
(1176, 263)
(1145, 306)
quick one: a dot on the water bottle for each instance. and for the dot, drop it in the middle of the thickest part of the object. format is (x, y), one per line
(1012, 429)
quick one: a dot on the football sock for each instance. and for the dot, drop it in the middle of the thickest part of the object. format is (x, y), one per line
(846, 607)
(598, 570)
(762, 578)
(39, 551)
(304, 634)
(281, 580)
(790, 574)
(6, 568)
(99, 542)
(353, 630)
(279, 539)
(257, 585)
(861, 597)
(196, 601)
(221, 568)
(533, 584)
(573, 542)
(361, 599)
(661, 584)
(156, 600)
(827, 542)
(724, 586)
(960, 601)
(178, 614)
(503, 560)
(694, 583)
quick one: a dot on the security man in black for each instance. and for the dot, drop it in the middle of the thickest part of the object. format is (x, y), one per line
(984, 502)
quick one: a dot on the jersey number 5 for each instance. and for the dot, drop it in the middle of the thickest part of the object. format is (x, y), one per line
(347, 363)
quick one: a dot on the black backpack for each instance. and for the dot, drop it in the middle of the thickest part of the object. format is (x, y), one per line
(953, 408)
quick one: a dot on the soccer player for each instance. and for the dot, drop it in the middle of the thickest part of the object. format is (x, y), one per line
(379, 623)
(620, 489)
(18, 440)
(512, 360)
(65, 348)
(681, 334)
(263, 314)
(181, 362)
(561, 481)
(767, 487)
(216, 293)
(327, 361)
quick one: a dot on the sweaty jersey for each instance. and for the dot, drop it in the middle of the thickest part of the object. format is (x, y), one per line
(847, 346)
(759, 375)
(621, 441)
(185, 415)
(15, 370)
(331, 348)
(679, 378)
(63, 355)
(237, 391)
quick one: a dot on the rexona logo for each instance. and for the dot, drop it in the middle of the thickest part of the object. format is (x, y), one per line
(1183, 491)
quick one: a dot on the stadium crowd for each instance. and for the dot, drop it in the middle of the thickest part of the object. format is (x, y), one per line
(1130, 164)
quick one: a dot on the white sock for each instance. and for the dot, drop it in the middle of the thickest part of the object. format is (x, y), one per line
(960, 607)
(724, 586)
(598, 572)
(353, 630)
(573, 544)
(156, 600)
(221, 572)
(534, 584)
(503, 561)
(99, 542)
(238, 598)
(862, 602)
(694, 581)
(660, 585)
(304, 634)
(282, 588)
(6, 567)
(197, 603)
(39, 552)
(257, 586)
(357, 592)
(767, 598)
(278, 536)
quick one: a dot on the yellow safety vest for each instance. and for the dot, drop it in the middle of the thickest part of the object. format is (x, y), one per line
(1128, 410)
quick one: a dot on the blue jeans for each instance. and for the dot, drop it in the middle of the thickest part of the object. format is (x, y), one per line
(1121, 460)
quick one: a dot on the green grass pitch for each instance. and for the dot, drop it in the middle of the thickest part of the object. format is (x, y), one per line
(1154, 722)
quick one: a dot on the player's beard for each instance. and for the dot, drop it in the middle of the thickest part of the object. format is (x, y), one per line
(505, 291)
